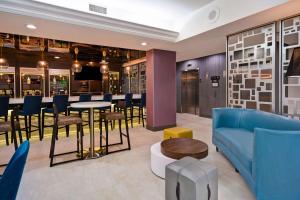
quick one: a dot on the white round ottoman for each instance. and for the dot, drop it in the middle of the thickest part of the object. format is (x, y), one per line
(159, 161)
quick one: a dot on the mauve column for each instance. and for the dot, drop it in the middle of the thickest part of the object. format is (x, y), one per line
(161, 89)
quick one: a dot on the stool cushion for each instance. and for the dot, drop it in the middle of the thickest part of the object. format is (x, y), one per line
(177, 132)
(48, 110)
(112, 116)
(68, 120)
(5, 126)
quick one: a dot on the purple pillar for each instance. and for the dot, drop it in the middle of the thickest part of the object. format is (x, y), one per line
(161, 89)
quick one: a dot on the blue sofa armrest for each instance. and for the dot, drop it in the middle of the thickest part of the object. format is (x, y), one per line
(226, 117)
(276, 164)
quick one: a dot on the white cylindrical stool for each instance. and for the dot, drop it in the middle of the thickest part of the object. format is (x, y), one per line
(159, 161)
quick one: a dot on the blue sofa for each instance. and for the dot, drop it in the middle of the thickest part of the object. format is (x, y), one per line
(263, 147)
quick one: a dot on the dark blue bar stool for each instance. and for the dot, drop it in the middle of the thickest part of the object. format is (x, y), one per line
(61, 121)
(140, 105)
(82, 98)
(32, 108)
(125, 105)
(4, 105)
(62, 102)
(107, 98)
(12, 126)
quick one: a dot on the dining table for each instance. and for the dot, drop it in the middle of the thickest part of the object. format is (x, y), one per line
(91, 105)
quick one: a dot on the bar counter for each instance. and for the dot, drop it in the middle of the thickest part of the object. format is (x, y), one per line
(13, 101)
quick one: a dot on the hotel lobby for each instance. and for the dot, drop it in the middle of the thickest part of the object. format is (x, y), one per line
(137, 99)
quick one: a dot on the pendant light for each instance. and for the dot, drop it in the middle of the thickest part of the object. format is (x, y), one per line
(103, 64)
(76, 66)
(42, 63)
(3, 61)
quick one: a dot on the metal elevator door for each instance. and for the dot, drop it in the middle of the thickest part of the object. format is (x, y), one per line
(190, 92)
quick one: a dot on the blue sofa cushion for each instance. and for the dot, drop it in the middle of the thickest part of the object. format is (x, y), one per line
(240, 143)
(251, 119)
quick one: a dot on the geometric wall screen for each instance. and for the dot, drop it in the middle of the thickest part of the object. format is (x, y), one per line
(251, 69)
(290, 38)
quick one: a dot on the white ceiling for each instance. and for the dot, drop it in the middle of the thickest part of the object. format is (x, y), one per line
(65, 24)
(165, 14)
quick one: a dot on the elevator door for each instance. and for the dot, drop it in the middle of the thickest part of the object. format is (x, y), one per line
(190, 92)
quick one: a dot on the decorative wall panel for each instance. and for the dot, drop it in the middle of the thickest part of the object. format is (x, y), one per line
(290, 37)
(251, 69)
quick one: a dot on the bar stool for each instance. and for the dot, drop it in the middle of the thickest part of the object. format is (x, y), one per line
(32, 108)
(12, 126)
(112, 116)
(107, 98)
(124, 106)
(141, 105)
(82, 98)
(4, 105)
(62, 102)
(66, 121)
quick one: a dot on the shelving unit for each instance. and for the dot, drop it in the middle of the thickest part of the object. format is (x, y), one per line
(134, 79)
(114, 79)
(7, 82)
(59, 81)
(32, 82)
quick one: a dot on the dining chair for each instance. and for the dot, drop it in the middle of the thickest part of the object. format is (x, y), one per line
(11, 178)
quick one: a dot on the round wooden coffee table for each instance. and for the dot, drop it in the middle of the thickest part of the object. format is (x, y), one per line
(178, 148)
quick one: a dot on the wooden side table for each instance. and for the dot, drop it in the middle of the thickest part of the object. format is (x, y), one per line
(178, 148)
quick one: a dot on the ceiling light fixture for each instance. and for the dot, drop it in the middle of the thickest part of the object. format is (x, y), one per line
(3, 61)
(31, 26)
(42, 63)
(76, 66)
(144, 43)
(103, 64)
(56, 57)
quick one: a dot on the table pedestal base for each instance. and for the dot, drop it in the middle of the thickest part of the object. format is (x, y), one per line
(98, 152)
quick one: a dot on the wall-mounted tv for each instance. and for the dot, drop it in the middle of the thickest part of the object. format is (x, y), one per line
(89, 73)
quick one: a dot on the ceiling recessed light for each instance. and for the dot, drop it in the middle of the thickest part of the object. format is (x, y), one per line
(144, 43)
(31, 26)
(56, 57)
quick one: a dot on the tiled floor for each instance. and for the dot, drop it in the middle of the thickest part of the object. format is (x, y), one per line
(124, 175)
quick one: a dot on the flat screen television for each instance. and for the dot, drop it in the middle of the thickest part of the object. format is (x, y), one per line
(89, 73)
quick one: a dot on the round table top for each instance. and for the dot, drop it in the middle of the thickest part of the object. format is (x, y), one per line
(178, 148)
(90, 104)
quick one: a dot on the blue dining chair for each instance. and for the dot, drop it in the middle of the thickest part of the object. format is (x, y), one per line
(11, 178)
(4, 102)
(32, 108)
(61, 102)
